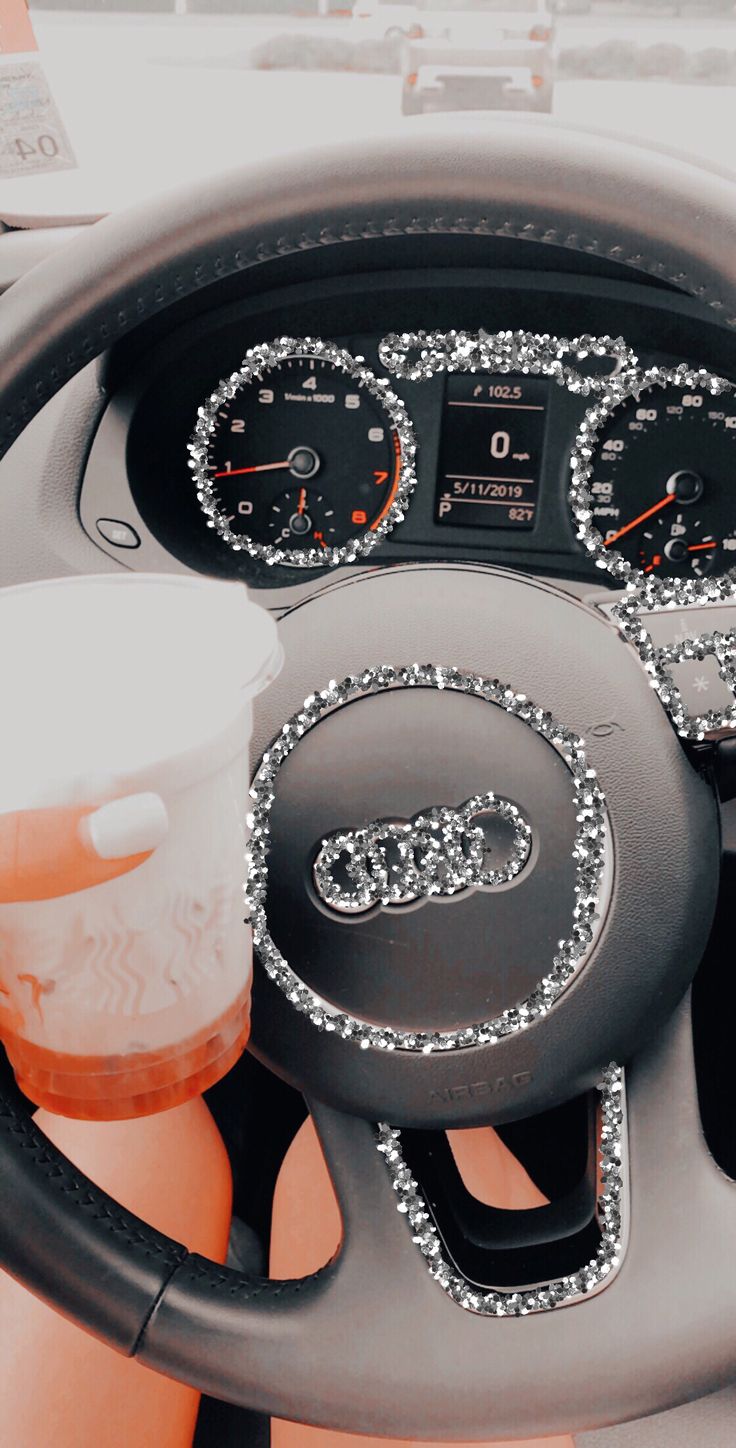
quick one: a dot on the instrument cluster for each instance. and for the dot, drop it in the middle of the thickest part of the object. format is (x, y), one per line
(305, 458)
(238, 450)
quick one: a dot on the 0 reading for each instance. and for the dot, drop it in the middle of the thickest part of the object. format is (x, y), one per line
(491, 452)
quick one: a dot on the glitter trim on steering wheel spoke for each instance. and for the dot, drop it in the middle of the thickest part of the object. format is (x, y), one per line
(611, 1211)
(668, 594)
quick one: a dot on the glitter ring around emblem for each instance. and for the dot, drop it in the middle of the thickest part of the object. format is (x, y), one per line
(592, 854)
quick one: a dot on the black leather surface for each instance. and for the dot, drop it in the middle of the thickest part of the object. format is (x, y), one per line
(539, 183)
(72, 1244)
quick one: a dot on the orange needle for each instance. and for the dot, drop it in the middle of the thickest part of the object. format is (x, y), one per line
(697, 547)
(302, 500)
(262, 468)
(670, 498)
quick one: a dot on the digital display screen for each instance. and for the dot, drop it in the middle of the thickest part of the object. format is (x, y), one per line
(491, 451)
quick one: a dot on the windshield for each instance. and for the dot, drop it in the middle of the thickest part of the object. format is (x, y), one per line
(456, 7)
(107, 102)
(459, 7)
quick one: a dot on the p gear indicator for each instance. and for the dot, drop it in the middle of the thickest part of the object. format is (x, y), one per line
(491, 453)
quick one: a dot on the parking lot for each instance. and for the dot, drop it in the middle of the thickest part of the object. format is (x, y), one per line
(170, 98)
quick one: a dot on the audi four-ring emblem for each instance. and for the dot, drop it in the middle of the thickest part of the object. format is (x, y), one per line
(439, 852)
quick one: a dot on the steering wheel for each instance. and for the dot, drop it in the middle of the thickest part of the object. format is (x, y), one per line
(375, 1342)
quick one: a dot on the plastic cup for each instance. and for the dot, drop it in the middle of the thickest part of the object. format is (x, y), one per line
(125, 962)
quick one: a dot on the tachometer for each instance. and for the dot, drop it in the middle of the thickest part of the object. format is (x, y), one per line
(662, 479)
(303, 456)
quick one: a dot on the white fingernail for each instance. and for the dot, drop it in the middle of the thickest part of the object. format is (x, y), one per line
(127, 826)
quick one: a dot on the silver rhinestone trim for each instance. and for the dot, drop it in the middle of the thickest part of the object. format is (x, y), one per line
(612, 1211)
(538, 354)
(617, 391)
(418, 355)
(591, 853)
(257, 362)
(657, 596)
(439, 852)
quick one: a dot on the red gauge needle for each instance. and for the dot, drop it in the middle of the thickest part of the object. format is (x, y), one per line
(261, 468)
(669, 498)
(698, 547)
(302, 500)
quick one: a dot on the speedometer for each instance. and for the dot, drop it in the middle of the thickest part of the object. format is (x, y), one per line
(303, 456)
(663, 481)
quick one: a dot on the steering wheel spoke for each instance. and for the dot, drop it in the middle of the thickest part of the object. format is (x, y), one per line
(656, 1311)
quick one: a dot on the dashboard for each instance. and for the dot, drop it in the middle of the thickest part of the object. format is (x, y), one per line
(314, 446)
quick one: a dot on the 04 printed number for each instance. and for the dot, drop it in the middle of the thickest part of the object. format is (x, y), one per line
(44, 145)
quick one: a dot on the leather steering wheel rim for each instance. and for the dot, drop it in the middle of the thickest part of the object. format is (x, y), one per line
(278, 1347)
(540, 183)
